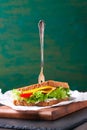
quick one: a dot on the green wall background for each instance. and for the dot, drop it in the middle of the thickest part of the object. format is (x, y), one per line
(65, 42)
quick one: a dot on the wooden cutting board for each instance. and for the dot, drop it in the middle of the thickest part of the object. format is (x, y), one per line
(44, 114)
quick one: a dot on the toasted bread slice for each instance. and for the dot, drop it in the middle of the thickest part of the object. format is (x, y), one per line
(42, 104)
(46, 83)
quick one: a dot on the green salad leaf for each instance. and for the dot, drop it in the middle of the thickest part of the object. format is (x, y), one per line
(39, 96)
(16, 94)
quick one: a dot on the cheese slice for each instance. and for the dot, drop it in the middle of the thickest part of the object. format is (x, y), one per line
(44, 89)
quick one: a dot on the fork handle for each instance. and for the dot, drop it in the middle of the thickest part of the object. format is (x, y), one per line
(41, 26)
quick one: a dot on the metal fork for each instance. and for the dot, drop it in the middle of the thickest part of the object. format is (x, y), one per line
(41, 25)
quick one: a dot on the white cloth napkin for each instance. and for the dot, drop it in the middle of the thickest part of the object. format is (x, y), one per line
(6, 99)
(79, 96)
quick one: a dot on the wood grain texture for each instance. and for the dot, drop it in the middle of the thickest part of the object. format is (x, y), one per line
(44, 114)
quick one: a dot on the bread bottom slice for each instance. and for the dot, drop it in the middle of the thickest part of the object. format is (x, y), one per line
(43, 104)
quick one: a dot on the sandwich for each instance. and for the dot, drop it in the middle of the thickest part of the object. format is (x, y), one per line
(44, 94)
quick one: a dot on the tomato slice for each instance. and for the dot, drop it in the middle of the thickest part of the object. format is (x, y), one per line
(25, 95)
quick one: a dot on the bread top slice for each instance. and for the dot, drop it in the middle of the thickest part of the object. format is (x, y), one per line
(46, 83)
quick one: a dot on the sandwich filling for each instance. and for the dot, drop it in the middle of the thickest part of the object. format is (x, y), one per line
(41, 94)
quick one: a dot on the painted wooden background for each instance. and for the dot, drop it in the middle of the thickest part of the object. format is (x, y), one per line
(65, 42)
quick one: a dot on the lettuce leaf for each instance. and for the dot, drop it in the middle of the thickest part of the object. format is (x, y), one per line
(16, 94)
(59, 93)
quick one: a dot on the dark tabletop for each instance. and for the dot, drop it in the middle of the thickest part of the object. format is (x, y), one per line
(68, 122)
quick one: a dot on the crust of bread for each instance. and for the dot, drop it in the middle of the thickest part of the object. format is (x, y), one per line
(42, 104)
(46, 83)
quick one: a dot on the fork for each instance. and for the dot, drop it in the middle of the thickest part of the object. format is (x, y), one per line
(41, 25)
